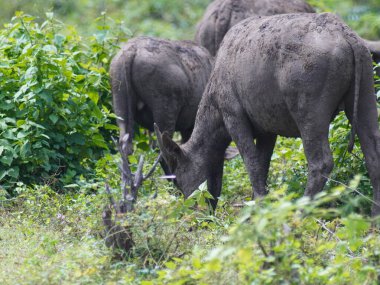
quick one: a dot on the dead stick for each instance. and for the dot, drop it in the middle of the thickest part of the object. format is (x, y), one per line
(153, 167)
(110, 197)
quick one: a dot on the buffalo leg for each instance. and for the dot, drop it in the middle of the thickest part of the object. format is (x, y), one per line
(241, 132)
(265, 145)
(319, 158)
(369, 137)
(313, 120)
(370, 144)
(214, 183)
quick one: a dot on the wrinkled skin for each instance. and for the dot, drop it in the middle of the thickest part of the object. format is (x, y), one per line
(222, 15)
(282, 75)
(162, 81)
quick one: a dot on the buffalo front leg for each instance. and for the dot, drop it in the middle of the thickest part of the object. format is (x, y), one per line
(214, 182)
(256, 157)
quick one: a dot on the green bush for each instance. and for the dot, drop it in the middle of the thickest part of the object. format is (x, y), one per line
(55, 112)
(285, 241)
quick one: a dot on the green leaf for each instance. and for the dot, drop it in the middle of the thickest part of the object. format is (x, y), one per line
(20, 123)
(3, 173)
(50, 49)
(59, 40)
(49, 15)
(143, 146)
(25, 149)
(98, 140)
(94, 96)
(53, 118)
(7, 159)
(14, 172)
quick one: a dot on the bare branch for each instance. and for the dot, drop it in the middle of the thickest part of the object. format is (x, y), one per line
(171, 241)
(126, 172)
(354, 190)
(334, 235)
(124, 168)
(262, 248)
(138, 176)
(112, 200)
(151, 171)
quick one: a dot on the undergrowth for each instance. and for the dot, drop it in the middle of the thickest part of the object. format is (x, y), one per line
(50, 238)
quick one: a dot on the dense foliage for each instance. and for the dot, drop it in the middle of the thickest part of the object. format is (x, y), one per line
(55, 100)
(55, 128)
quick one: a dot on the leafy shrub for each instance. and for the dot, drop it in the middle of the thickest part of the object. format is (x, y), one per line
(285, 241)
(55, 117)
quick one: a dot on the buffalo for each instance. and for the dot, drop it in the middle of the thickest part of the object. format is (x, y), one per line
(282, 75)
(222, 15)
(157, 80)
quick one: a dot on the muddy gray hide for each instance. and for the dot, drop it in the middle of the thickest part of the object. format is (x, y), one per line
(281, 75)
(156, 80)
(221, 15)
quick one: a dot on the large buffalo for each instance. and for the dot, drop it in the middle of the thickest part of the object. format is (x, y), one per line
(162, 81)
(280, 75)
(222, 15)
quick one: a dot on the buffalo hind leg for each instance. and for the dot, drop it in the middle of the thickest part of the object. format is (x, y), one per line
(264, 145)
(320, 162)
(370, 144)
(313, 112)
(369, 138)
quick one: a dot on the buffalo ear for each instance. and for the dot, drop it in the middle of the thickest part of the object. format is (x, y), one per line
(170, 150)
(170, 147)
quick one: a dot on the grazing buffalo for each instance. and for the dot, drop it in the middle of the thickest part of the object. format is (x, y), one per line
(162, 81)
(221, 15)
(280, 75)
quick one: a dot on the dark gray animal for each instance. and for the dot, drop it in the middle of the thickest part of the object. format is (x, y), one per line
(222, 15)
(281, 75)
(374, 47)
(162, 81)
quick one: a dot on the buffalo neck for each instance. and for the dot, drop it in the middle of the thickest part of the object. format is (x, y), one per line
(210, 138)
